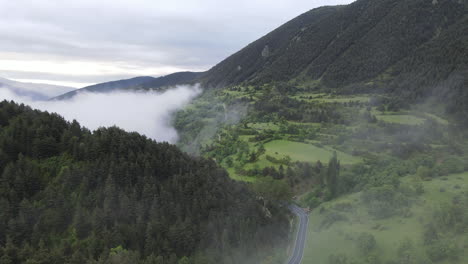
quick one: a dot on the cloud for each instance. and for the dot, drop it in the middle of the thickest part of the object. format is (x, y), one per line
(35, 90)
(148, 113)
(133, 37)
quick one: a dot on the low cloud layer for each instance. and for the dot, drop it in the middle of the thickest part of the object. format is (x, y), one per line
(34, 90)
(148, 113)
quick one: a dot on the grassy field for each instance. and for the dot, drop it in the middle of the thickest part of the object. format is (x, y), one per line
(341, 236)
(233, 175)
(263, 126)
(305, 152)
(437, 118)
(261, 163)
(320, 97)
(296, 151)
(400, 119)
(363, 99)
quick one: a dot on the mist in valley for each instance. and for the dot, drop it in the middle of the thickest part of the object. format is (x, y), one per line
(146, 112)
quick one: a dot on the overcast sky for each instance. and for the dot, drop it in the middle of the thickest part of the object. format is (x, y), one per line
(81, 42)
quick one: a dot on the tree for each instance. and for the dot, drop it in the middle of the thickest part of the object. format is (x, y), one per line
(424, 172)
(405, 252)
(105, 188)
(184, 260)
(333, 173)
(272, 190)
(119, 255)
(366, 243)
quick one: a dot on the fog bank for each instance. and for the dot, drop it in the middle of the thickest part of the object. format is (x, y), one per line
(148, 113)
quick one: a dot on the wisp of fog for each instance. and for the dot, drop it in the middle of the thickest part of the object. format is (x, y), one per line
(148, 112)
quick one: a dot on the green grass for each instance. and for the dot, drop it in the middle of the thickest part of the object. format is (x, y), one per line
(305, 124)
(261, 163)
(296, 151)
(263, 126)
(246, 138)
(305, 152)
(405, 119)
(314, 97)
(233, 175)
(438, 119)
(340, 237)
(363, 99)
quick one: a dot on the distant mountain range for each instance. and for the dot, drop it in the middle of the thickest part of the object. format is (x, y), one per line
(137, 83)
(35, 91)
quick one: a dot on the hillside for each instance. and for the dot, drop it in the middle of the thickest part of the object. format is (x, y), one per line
(170, 80)
(331, 148)
(71, 196)
(106, 87)
(423, 222)
(350, 109)
(393, 46)
(143, 82)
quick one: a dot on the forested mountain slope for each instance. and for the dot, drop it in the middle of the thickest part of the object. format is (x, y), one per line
(391, 45)
(68, 195)
(170, 80)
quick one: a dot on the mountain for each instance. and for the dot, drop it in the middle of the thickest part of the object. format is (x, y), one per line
(143, 82)
(106, 87)
(35, 91)
(69, 195)
(409, 46)
(170, 80)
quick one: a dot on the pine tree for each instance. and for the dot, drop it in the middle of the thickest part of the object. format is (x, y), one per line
(333, 173)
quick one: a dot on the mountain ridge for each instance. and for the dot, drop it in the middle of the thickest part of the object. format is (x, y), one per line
(137, 83)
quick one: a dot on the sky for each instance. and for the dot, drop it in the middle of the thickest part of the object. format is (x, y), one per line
(81, 42)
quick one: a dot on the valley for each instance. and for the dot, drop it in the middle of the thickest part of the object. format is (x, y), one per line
(411, 152)
(427, 230)
(340, 137)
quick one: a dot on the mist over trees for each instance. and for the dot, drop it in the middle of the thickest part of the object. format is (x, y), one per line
(68, 195)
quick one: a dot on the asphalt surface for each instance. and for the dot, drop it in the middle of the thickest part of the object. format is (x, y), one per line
(296, 257)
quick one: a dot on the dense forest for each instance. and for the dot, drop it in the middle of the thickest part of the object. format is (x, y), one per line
(69, 195)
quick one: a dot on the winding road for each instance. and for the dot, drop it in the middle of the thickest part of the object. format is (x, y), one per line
(296, 257)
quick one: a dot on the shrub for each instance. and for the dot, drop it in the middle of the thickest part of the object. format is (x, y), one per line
(405, 252)
(343, 207)
(338, 259)
(442, 250)
(332, 218)
(366, 243)
(383, 202)
(418, 188)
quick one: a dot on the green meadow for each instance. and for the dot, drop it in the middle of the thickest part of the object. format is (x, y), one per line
(339, 236)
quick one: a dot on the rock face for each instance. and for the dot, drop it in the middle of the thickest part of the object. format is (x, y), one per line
(266, 51)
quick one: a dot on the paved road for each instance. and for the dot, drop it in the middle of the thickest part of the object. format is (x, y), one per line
(296, 257)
